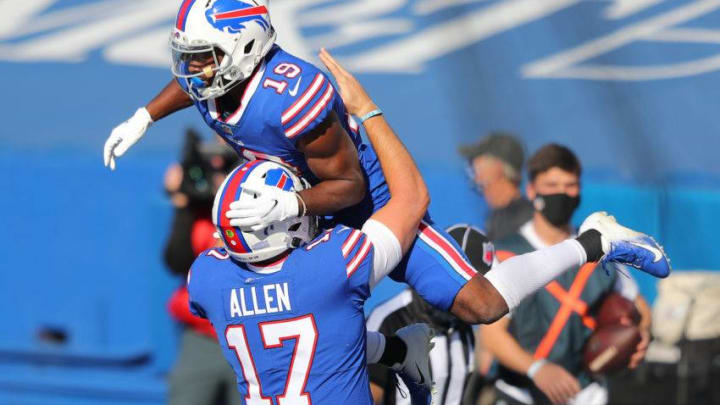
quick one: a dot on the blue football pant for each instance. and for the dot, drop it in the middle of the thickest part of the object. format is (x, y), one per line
(435, 266)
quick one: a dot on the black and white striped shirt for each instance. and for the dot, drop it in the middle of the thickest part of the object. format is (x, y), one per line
(451, 360)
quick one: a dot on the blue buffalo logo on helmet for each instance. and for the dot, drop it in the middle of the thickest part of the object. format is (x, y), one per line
(251, 246)
(279, 178)
(232, 15)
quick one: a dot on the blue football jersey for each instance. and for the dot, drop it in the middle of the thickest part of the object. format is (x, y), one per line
(285, 100)
(295, 336)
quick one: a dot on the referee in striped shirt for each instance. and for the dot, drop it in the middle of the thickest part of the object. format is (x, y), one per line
(452, 358)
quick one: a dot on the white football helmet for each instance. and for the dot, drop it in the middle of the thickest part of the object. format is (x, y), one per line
(235, 34)
(248, 246)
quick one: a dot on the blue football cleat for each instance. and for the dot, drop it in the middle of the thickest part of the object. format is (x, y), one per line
(626, 246)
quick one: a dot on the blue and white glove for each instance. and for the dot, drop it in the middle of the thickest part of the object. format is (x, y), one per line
(126, 135)
(270, 204)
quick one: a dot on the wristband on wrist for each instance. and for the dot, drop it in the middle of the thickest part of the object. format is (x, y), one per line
(535, 367)
(369, 115)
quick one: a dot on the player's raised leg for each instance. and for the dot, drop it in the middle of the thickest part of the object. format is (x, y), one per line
(486, 298)
(439, 271)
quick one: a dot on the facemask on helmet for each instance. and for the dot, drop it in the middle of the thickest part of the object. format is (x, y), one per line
(256, 246)
(217, 44)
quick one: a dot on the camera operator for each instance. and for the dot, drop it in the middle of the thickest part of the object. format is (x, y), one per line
(200, 375)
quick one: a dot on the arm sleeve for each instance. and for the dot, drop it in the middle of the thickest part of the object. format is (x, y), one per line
(520, 276)
(388, 251)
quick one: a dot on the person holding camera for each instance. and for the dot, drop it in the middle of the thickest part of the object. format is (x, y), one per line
(200, 374)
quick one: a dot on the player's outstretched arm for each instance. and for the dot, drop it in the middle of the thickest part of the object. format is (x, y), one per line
(409, 195)
(391, 229)
(172, 98)
(332, 157)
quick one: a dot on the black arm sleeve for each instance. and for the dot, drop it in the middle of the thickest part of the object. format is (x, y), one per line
(380, 375)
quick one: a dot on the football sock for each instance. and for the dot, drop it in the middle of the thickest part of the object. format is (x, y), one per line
(592, 243)
(395, 351)
(520, 276)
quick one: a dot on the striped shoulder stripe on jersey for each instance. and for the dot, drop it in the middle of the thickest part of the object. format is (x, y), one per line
(351, 242)
(301, 102)
(312, 114)
(355, 249)
(446, 249)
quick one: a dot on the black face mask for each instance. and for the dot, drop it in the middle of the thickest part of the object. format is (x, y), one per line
(556, 208)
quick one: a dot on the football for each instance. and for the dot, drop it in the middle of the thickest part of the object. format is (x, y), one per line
(615, 307)
(609, 349)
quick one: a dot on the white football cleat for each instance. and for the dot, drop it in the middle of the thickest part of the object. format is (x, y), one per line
(626, 246)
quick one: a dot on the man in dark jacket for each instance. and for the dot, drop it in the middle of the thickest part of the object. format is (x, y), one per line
(495, 165)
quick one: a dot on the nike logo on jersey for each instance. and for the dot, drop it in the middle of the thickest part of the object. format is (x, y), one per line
(294, 91)
(656, 252)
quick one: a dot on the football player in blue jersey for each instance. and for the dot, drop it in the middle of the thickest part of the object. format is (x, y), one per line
(271, 105)
(287, 303)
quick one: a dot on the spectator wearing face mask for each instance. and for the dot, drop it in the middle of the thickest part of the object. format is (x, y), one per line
(539, 345)
(495, 166)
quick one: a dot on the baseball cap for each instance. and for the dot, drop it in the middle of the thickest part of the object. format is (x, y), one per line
(500, 145)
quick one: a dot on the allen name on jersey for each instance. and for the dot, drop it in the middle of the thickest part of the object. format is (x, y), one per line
(263, 299)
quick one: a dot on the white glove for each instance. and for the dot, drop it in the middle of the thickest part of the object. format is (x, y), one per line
(125, 135)
(416, 365)
(270, 205)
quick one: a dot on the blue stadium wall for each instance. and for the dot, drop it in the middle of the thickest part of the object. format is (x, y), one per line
(631, 88)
